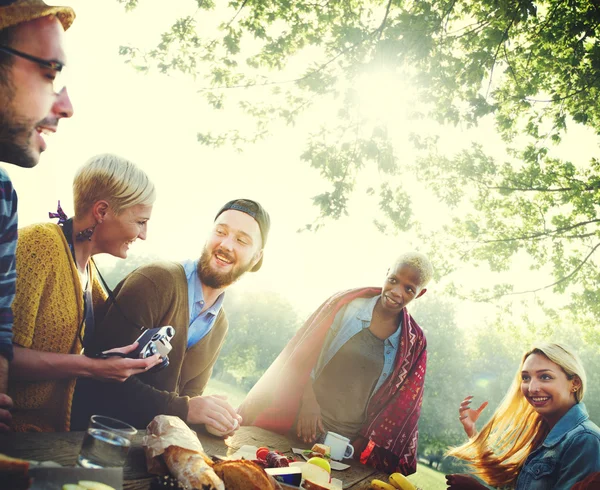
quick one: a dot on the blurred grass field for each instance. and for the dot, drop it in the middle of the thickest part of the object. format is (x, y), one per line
(427, 478)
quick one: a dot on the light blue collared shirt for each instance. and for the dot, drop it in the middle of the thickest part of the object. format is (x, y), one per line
(350, 320)
(200, 321)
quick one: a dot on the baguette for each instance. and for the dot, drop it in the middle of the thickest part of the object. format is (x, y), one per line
(170, 442)
(244, 475)
(191, 469)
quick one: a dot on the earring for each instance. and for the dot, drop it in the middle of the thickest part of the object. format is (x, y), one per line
(86, 234)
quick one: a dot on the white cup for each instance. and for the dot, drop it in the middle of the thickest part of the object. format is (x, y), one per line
(340, 446)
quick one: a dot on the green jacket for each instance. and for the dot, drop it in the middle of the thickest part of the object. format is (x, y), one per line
(154, 295)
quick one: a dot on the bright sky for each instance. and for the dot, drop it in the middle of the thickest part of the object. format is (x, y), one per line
(153, 120)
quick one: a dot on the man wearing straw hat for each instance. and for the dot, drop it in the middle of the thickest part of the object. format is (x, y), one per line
(32, 101)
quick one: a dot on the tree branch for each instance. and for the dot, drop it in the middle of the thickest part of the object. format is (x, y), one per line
(381, 27)
(500, 44)
(546, 233)
(556, 283)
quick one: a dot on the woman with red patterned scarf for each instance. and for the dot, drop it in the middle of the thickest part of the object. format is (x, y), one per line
(357, 368)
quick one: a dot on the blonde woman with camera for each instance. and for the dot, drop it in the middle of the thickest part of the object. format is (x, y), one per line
(57, 290)
(540, 437)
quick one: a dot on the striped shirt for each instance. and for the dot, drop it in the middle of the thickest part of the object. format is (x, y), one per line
(8, 274)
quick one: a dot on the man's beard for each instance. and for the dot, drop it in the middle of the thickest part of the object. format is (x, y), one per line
(219, 280)
(15, 135)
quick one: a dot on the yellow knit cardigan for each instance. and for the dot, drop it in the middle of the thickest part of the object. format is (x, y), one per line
(48, 310)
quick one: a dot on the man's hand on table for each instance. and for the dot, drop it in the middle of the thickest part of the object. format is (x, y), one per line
(309, 420)
(214, 411)
(5, 416)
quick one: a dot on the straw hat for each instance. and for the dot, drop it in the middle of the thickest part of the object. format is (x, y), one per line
(19, 11)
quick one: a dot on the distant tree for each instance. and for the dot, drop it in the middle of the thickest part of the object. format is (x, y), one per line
(260, 325)
(447, 379)
(532, 65)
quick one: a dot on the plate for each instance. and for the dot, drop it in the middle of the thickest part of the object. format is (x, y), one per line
(50, 478)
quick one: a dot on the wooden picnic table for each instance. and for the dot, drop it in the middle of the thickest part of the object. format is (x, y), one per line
(63, 448)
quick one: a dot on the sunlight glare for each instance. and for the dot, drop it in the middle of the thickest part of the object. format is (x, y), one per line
(384, 96)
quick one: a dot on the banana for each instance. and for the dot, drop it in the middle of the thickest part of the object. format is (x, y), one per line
(398, 480)
(381, 485)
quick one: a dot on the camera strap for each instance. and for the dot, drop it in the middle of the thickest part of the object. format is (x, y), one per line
(112, 298)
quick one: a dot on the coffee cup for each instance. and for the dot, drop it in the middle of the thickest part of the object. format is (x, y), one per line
(340, 446)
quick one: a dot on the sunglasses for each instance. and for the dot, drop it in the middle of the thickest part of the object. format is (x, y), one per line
(56, 66)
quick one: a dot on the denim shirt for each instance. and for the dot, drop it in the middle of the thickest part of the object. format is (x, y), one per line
(348, 322)
(570, 452)
(201, 322)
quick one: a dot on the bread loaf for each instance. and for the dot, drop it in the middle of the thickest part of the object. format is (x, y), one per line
(321, 449)
(14, 473)
(169, 441)
(191, 469)
(244, 475)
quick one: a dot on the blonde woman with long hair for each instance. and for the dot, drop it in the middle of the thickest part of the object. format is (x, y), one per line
(540, 437)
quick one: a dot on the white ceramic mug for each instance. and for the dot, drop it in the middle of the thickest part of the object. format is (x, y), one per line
(340, 446)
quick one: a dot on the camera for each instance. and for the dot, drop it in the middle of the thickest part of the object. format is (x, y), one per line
(154, 341)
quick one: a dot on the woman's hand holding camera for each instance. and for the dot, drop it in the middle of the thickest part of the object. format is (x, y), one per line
(213, 410)
(118, 368)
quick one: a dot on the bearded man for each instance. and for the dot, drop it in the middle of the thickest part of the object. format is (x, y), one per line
(188, 296)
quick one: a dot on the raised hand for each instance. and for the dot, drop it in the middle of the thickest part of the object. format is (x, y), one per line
(468, 416)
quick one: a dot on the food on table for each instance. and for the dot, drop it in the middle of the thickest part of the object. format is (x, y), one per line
(398, 480)
(87, 485)
(292, 475)
(261, 452)
(323, 449)
(276, 460)
(170, 439)
(216, 432)
(168, 482)
(192, 468)
(322, 462)
(314, 473)
(244, 475)
(308, 485)
(381, 485)
(14, 473)
(94, 485)
(318, 450)
(270, 459)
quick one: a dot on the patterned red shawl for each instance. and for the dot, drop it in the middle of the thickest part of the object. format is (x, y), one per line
(388, 440)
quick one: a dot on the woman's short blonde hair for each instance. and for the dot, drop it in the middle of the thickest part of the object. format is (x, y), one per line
(113, 179)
